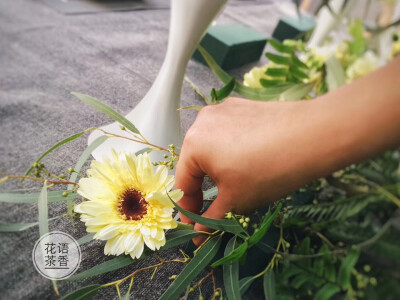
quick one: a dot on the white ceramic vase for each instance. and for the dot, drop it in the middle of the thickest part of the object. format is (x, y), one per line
(156, 116)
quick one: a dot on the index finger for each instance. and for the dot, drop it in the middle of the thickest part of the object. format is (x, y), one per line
(189, 178)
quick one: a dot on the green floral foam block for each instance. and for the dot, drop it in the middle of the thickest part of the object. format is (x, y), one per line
(232, 46)
(292, 28)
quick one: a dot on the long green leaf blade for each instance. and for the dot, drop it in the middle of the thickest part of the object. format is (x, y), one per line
(193, 268)
(17, 198)
(297, 92)
(326, 292)
(210, 193)
(233, 256)
(269, 285)
(224, 225)
(277, 72)
(174, 238)
(257, 236)
(348, 263)
(68, 139)
(79, 164)
(106, 110)
(84, 293)
(231, 273)
(225, 91)
(335, 76)
(245, 283)
(20, 226)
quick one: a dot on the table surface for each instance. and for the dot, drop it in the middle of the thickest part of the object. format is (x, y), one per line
(113, 56)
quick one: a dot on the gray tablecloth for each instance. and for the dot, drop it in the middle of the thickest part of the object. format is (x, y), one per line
(114, 56)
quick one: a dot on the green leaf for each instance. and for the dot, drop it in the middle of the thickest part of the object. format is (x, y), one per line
(108, 266)
(245, 283)
(231, 273)
(267, 221)
(224, 224)
(269, 285)
(68, 139)
(347, 265)
(43, 211)
(173, 238)
(79, 164)
(192, 107)
(298, 63)
(233, 256)
(326, 292)
(178, 237)
(304, 249)
(277, 72)
(84, 293)
(52, 196)
(298, 74)
(358, 45)
(297, 92)
(225, 91)
(107, 110)
(279, 59)
(282, 48)
(210, 193)
(335, 76)
(193, 268)
(301, 279)
(20, 226)
(251, 93)
(271, 82)
(85, 239)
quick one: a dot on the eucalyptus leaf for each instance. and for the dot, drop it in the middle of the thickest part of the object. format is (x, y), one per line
(225, 91)
(245, 283)
(347, 265)
(335, 76)
(267, 221)
(105, 267)
(212, 192)
(52, 196)
(13, 227)
(297, 92)
(224, 224)
(79, 164)
(231, 273)
(84, 293)
(43, 211)
(107, 110)
(193, 268)
(233, 256)
(269, 285)
(85, 239)
(68, 139)
(173, 239)
(327, 291)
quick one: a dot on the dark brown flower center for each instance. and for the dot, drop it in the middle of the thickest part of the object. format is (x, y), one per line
(132, 205)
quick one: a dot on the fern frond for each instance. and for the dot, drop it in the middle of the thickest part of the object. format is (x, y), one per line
(336, 210)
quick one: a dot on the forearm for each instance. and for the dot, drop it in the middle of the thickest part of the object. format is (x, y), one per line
(359, 120)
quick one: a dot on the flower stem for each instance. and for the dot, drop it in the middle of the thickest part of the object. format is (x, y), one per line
(184, 226)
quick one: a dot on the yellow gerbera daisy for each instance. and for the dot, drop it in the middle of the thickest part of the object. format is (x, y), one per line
(128, 205)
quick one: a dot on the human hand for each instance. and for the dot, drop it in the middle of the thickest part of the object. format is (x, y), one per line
(249, 149)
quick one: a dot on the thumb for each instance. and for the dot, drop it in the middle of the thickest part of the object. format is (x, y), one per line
(217, 210)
